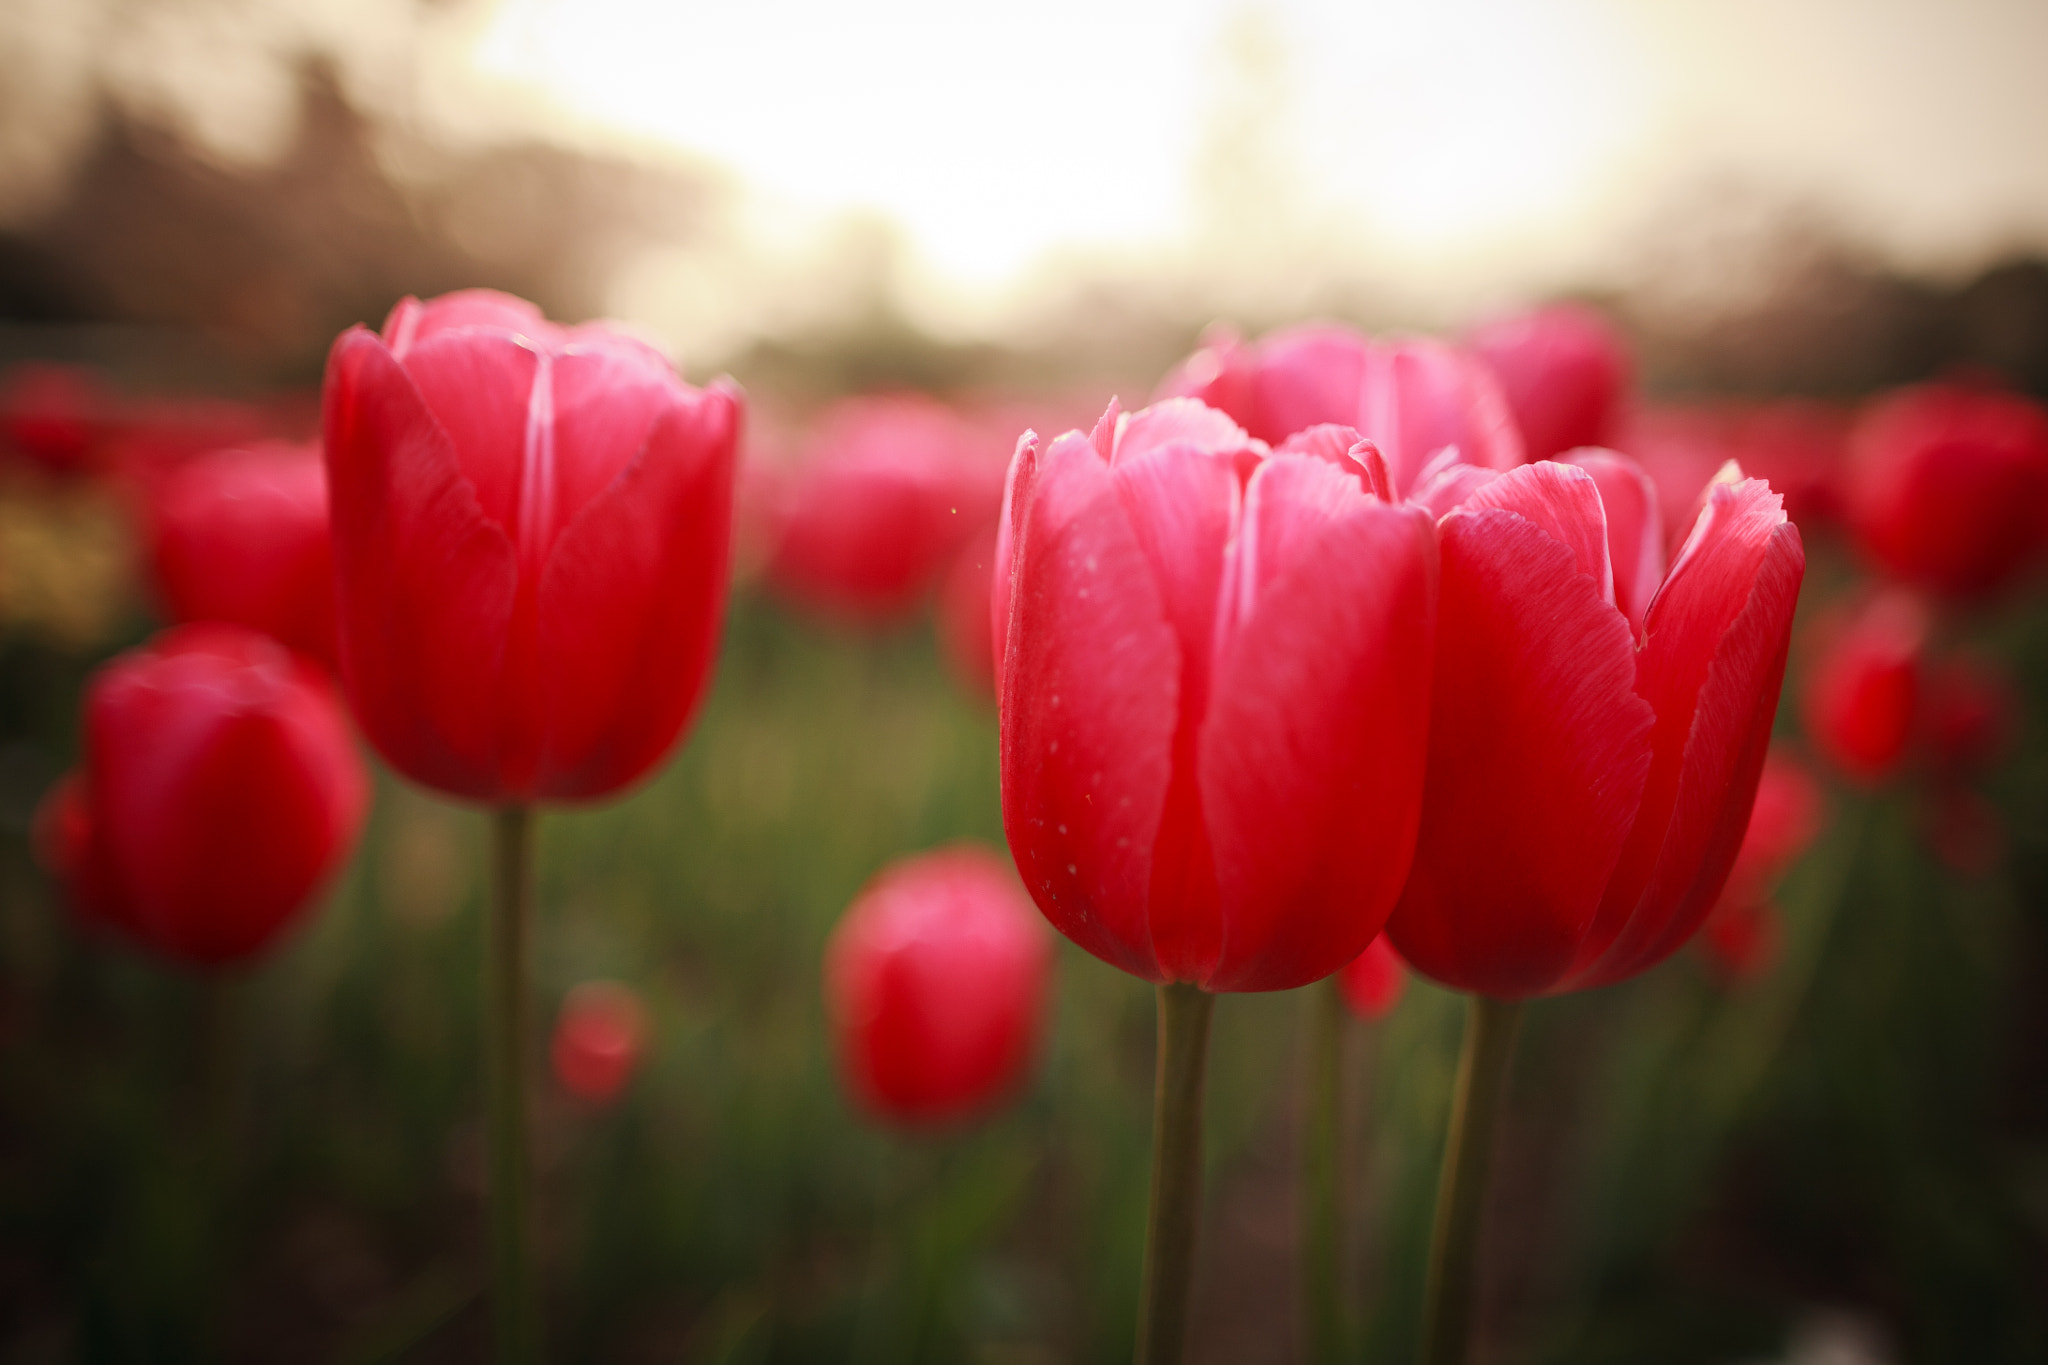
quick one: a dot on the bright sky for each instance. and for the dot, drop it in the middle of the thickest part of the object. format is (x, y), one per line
(1430, 133)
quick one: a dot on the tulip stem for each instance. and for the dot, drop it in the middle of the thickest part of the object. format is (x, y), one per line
(1323, 1209)
(1461, 1192)
(515, 1304)
(1176, 1173)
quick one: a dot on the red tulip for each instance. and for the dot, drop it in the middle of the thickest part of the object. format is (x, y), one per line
(1742, 934)
(1214, 698)
(1969, 714)
(1411, 398)
(158, 437)
(1564, 372)
(1946, 486)
(1374, 981)
(1598, 724)
(599, 1037)
(54, 415)
(221, 790)
(1862, 695)
(935, 981)
(868, 526)
(241, 535)
(966, 627)
(531, 526)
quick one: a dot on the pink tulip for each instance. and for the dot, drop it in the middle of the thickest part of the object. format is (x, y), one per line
(1214, 695)
(1598, 724)
(599, 1037)
(1564, 371)
(1411, 398)
(1374, 981)
(1862, 694)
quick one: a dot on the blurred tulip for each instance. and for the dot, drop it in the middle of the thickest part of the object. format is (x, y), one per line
(1374, 981)
(966, 628)
(54, 415)
(870, 523)
(1598, 725)
(1411, 398)
(1862, 692)
(531, 528)
(221, 790)
(1946, 484)
(1799, 447)
(1969, 713)
(241, 536)
(1741, 935)
(156, 438)
(1214, 696)
(1564, 371)
(600, 1035)
(935, 981)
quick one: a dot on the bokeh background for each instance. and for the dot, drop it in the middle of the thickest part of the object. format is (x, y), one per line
(1843, 1158)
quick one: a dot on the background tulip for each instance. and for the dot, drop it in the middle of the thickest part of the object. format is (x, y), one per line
(221, 790)
(54, 416)
(892, 490)
(1742, 933)
(531, 526)
(1564, 371)
(1946, 484)
(1862, 695)
(1412, 398)
(241, 535)
(1598, 724)
(599, 1037)
(935, 980)
(1374, 981)
(1214, 698)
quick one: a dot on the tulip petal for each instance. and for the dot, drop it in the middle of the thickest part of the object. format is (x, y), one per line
(1090, 699)
(424, 579)
(1447, 481)
(412, 322)
(1313, 753)
(479, 387)
(1711, 664)
(1565, 503)
(1538, 750)
(1182, 508)
(1635, 528)
(1305, 376)
(605, 404)
(1177, 422)
(631, 601)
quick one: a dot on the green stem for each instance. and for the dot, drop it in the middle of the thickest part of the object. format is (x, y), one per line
(1322, 1177)
(1461, 1194)
(1176, 1174)
(515, 1304)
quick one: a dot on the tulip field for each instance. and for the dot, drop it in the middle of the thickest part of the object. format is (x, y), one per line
(1377, 848)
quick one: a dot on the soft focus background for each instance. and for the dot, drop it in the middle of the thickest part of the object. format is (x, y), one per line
(1841, 1157)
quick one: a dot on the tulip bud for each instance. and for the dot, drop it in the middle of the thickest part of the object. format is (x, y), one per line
(1863, 692)
(221, 790)
(241, 536)
(1946, 485)
(1564, 372)
(531, 527)
(599, 1037)
(1374, 981)
(935, 982)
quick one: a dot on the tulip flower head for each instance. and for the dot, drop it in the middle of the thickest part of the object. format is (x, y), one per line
(1412, 398)
(1862, 694)
(531, 529)
(1598, 724)
(935, 982)
(1946, 485)
(54, 416)
(1742, 933)
(1374, 982)
(1215, 694)
(1564, 372)
(241, 535)
(600, 1036)
(221, 790)
(895, 487)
